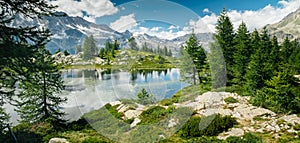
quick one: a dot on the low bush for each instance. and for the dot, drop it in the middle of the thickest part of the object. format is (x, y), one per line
(154, 114)
(206, 126)
(230, 100)
(247, 138)
(113, 111)
(297, 127)
(166, 102)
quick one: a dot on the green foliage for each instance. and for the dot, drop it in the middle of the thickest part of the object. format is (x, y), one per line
(38, 99)
(66, 53)
(89, 48)
(206, 126)
(19, 45)
(281, 94)
(153, 115)
(93, 140)
(230, 100)
(132, 44)
(144, 97)
(297, 127)
(217, 65)
(197, 55)
(247, 138)
(166, 102)
(225, 39)
(78, 49)
(241, 55)
(113, 111)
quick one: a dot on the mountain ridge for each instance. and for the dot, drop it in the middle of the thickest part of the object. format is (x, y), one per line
(289, 27)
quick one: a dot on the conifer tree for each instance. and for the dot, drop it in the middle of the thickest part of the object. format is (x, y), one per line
(225, 38)
(197, 54)
(78, 49)
(89, 48)
(242, 54)
(39, 99)
(281, 93)
(18, 45)
(286, 49)
(132, 44)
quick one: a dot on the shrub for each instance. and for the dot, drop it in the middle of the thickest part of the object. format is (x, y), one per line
(297, 127)
(113, 111)
(196, 126)
(154, 114)
(230, 100)
(93, 140)
(166, 102)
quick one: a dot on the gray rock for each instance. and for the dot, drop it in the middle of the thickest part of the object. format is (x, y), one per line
(132, 114)
(293, 119)
(135, 122)
(58, 140)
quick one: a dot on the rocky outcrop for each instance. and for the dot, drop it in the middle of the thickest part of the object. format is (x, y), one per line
(250, 118)
(58, 140)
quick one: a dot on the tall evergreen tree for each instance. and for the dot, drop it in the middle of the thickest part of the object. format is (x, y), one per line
(78, 49)
(266, 49)
(89, 48)
(281, 93)
(132, 44)
(197, 54)
(225, 38)
(242, 54)
(39, 99)
(18, 45)
(275, 55)
(286, 49)
(217, 66)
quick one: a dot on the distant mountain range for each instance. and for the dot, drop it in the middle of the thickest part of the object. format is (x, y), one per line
(287, 27)
(68, 32)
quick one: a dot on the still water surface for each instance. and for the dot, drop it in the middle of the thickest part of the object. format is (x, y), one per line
(90, 89)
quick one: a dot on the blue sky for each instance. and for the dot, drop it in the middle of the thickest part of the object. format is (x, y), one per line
(216, 6)
(173, 18)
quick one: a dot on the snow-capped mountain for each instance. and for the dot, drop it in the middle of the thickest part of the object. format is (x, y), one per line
(68, 31)
(174, 44)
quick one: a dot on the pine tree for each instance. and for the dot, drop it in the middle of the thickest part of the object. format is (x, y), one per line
(266, 49)
(241, 55)
(132, 44)
(197, 54)
(286, 49)
(89, 48)
(225, 38)
(275, 55)
(18, 45)
(78, 49)
(217, 66)
(39, 99)
(281, 93)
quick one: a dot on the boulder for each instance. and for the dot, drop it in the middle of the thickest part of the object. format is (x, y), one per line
(210, 98)
(293, 119)
(114, 103)
(132, 114)
(135, 122)
(58, 140)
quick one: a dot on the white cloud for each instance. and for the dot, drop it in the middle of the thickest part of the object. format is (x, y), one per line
(158, 32)
(173, 27)
(124, 23)
(206, 10)
(93, 8)
(254, 19)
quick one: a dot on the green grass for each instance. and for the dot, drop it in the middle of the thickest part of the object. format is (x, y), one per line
(230, 100)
